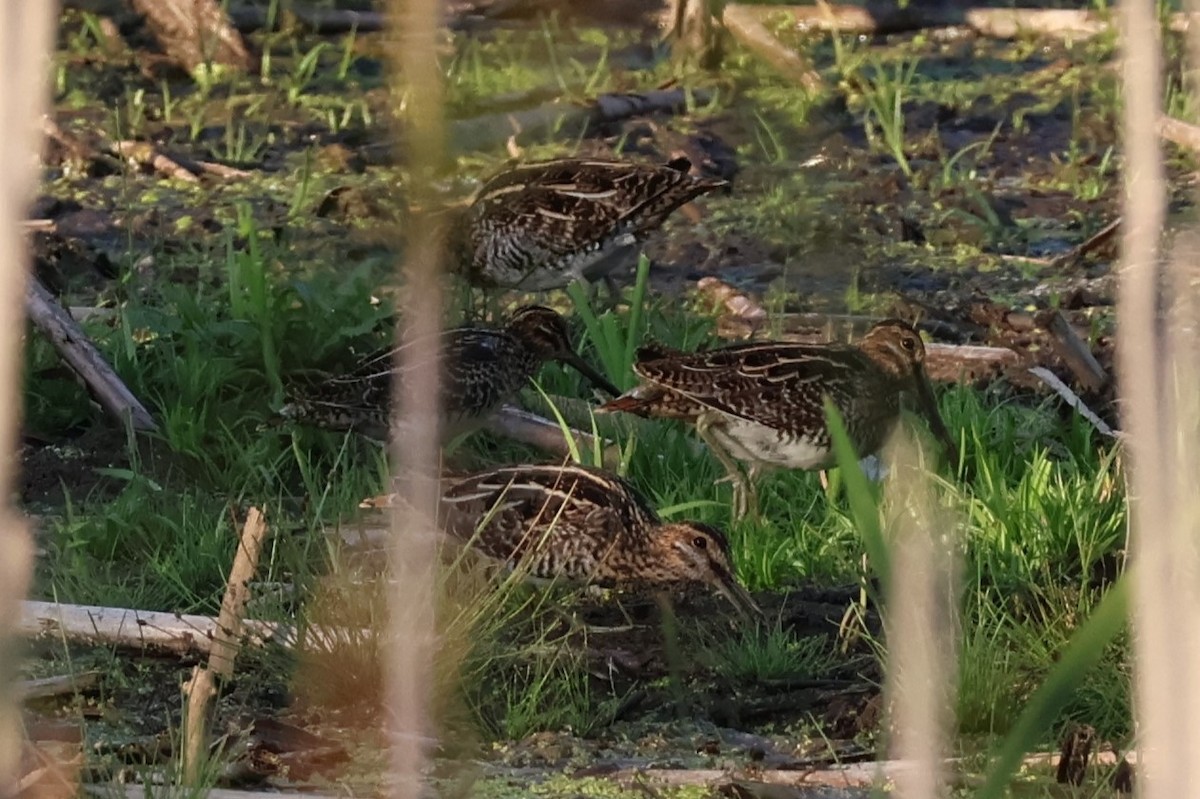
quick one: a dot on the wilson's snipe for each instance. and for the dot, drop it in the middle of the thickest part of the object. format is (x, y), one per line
(541, 226)
(585, 525)
(762, 402)
(483, 368)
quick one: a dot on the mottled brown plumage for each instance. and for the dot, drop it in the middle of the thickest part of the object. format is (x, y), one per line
(542, 225)
(482, 368)
(762, 403)
(585, 525)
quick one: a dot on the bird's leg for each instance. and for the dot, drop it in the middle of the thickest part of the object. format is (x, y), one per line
(742, 488)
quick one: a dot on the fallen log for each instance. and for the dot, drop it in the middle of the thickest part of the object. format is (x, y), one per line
(1000, 23)
(84, 359)
(177, 633)
(529, 428)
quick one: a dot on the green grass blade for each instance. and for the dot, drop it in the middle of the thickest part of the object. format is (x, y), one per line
(633, 334)
(1082, 653)
(863, 504)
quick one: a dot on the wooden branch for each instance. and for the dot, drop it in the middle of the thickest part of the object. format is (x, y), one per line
(146, 154)
(45, 687)
(195, 33)
(1076, 353)
(744, 25)
(82, 356)
(1097, 241)
(956, 363)
(226, 642)
(1001, 23)
(528, 428)
(177, 633)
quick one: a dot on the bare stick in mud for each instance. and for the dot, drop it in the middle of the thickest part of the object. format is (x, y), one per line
(78, 351)
(226, 642)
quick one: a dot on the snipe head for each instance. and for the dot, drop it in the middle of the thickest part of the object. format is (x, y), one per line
(695, 552)
(545, 333)
(896, 347)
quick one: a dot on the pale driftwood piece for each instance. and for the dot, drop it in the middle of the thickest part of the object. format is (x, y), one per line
(82, 356)
(529, 428)
(181, 634)
(1003, 23)
(736, 302)
(1181, 133)
(226, 642)
(45, 687)
(495, 130)
(318, 20)
(954, 363)
(1077, 354)
(194, 33)
(745, 26)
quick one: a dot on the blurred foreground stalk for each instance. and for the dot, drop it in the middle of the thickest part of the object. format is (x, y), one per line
(28, 32)
(417, 86)
(1156, 347)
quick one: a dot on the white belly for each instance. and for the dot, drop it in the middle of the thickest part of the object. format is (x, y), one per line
(755, 443)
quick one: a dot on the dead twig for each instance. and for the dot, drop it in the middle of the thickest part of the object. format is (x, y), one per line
(82, 356)
(1102, 239)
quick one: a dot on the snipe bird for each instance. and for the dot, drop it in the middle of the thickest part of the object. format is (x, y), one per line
(483, 367)
(586, 525)
(762, 403)
(541, 226)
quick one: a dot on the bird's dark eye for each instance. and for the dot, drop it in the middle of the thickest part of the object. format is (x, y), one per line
(700, 542)
(908, 344)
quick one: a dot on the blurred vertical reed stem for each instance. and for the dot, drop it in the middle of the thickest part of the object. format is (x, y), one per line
(418, 89)
(28, 31)
(920, 622)
(1157, 372)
